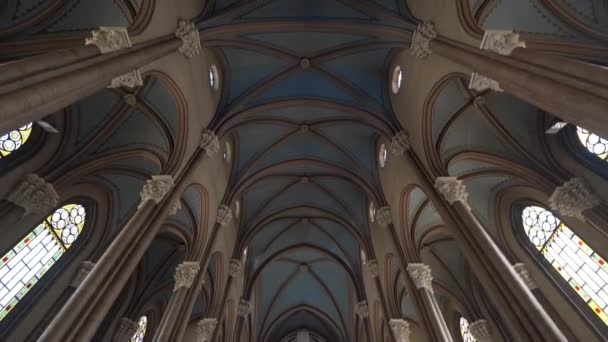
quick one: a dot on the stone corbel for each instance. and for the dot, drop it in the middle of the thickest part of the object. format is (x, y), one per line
(224, 215)
(573, 198)
(502, 42)
(34, 195)
(185, 273)
(422, 38)
(191, 42)
(481, 83)
(156, 189)
(205, 328)
(421, 275)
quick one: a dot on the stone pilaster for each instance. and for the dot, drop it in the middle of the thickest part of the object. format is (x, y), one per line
(482, 83)
(421, 275)
(422, 38)
(156, 188)
(187, 32)
(401, 329)
(185, 273)
(573, 198)
(205, 328)
(34, 195)
(502, 42)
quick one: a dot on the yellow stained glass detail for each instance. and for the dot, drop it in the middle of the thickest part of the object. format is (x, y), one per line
(13, 140)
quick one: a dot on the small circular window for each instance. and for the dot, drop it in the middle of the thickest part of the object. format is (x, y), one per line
(382, 155)
(227, 154)
(372, 211)
(396, 79)
(213, 77)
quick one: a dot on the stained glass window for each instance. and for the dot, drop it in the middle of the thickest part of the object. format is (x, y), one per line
(593, 143)
(574, 260)
(141, 330)
(464, 331)
(23, 266)
(13, 140)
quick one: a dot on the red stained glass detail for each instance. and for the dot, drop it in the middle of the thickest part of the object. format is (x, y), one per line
(28, 285)
(580, 243)
(602, 262)
(8, 307)
(26, 240)
(5, 259)
(559, 268)
(578, 288)
(598, 310)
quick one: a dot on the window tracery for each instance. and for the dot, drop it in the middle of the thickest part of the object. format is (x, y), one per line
(575, 261)
(139, 335)
(13, 140)
(465, 333)
(593, 143)
(27, 262)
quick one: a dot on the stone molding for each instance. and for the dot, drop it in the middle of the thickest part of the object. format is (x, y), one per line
(156, 189)
(372, 267)
(452, 189)
(34, 195)
(421, 275)
(132, 79)
(400, 143)
(209, 142)
(422, 38)
(185, 273)
(482, 83)
(191, 42)
(524, 274)
(235, 267)
(502, 42)
(401, 329)
(244, 308)
(573, 198)
(362, 309)
(125, 329)
(480, 330)
(224, 215)
(83, 271)
(384, 216)
(205, 328)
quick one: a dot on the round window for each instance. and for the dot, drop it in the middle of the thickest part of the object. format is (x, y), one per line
(382, 155)
(397, 79)
(213, 77)
(372, 211)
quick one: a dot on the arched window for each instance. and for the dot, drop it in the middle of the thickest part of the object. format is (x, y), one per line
(13, 140)
(464, 331)
(574, 260)
(141, 330)
(23, 266)
(593, 143)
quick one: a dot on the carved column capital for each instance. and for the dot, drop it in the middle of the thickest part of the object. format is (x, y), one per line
(481, 83)
(524, 274)
(235, 267)
(401, 329)
(156, 188)
(573, 198)
(125, 329)
(452, 189)
(362, 309)
(132, 79)
(422, 38)
(209, 142)
(502, 42)
(83, 271)
(205, 328)
(185, 274)
(400, 143)
(34, 195)
(384, 216)
(480, 330)
(191, 42)
(244, 308)
(224, 215)
(175, 207)
(372, 268)
(421, 275)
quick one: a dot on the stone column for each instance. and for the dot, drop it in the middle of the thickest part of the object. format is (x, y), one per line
(575, 91)
(185, 274)
(401, 329)
(513, 290)
(303, 336)
(50, 89)
(423, 279)
(205, 329)
(125, 329)
(481, 331)
(82, 272)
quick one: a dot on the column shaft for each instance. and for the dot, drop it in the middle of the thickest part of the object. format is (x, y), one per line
(437, 320)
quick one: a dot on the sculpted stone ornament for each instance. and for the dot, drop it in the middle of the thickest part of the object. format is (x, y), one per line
(34, 195)
(401, 329)
(110, 39)
(210, 142)
(522, 271)
(481, 83)
(452, 189)
(235, 267)
(185, 274)
(573, 198)
(372, 268)
(362, 309)
(422, 39)
(384, 216)
(224, 215)
(205, 328)
(156, 188)
(191, 42)
(244, 308)
(480, 330)
(400, 143)
(177, 205)
(82, 272)
(502, 42)
(421, 275)
(125, 329)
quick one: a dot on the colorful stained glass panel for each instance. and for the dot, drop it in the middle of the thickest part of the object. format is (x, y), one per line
(465, 332)
(593, 143)
(141, 330)
(13, 140)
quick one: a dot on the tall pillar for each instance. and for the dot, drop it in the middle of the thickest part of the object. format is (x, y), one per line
(423, 279)
(125, 329)
(516, 293)
(401, 330)
(185, 274)
(575, 91)
(50, 89)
